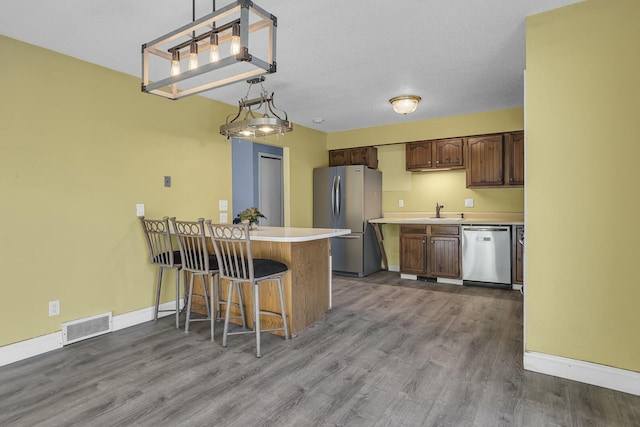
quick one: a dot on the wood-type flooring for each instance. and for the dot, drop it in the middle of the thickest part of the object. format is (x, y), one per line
(391, 352)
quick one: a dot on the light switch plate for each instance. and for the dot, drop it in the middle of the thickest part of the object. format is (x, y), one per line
(223, 205)
(140, 209)
(468, 203)
(223, 218)
(401, 203)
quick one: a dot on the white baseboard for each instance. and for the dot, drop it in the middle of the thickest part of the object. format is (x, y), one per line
(33, 347)
(133, 318)
(584, 372)
(408, 276)
(395, 267)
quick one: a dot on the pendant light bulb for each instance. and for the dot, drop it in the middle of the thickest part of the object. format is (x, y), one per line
(193, 56)
(175, 63)
(214, 52)
(235, 40)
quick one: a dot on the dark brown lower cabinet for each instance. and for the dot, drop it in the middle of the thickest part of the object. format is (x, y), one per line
(413, 249)
(431, 250)
(518, 254)
(444, 251)
(444, 258)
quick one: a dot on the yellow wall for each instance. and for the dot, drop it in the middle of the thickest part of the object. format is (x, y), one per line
(80, 146)
(582, 173)
(421, 190)
(469, 124)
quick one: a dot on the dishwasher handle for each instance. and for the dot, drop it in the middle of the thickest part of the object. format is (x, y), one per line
(485, 229)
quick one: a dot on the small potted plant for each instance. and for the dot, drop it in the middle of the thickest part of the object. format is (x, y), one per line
(251, 215)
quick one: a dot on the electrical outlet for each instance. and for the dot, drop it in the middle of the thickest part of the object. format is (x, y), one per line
(167, 181)
(54, 308)
(223, 218)
(140, 209)
(401, 203)
(468, 203)
(223, 205)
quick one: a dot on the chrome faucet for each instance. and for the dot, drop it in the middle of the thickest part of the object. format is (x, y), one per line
(438, 207)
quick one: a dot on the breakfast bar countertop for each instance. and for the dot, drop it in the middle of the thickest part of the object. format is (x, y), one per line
(294, 234)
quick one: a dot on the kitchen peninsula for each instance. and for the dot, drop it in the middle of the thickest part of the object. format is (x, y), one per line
(307, 285)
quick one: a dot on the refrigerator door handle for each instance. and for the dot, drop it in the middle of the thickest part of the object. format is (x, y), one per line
(338, 210)
(333, 198)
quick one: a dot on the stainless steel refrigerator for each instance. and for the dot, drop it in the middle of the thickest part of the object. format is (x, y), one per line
(346, 197)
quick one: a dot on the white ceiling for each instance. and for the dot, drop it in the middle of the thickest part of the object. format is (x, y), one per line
(337, 60)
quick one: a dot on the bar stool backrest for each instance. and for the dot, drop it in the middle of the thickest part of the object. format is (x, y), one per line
(193, 245)
(158, 237)
(233, 251)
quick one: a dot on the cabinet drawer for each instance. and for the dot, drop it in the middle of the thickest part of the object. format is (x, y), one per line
(413, 229)
(444, 230)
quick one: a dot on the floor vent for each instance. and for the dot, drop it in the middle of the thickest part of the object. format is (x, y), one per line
(81, 329)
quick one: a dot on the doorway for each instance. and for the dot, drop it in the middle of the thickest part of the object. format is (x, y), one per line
(270, 189)
(258, 180)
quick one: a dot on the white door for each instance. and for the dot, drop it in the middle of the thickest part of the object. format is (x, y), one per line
(270, 189)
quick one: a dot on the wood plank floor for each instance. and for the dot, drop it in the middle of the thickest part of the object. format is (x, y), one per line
(391, 353)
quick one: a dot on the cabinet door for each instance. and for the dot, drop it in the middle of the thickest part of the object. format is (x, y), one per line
(419, 155)
(518, 254)
(485, 157)
(449, 153)
(367, 156)
(338, 157)
(515, 158)
(357, 156)
(412, 254)
(444, 257)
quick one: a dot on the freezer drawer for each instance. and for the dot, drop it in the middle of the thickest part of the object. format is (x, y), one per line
(347, 254)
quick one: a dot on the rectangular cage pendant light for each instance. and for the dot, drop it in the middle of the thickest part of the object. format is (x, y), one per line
(211, 52)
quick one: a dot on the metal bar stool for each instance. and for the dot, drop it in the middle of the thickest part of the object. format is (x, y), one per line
(197, 261)
(236, 264)
(158, 237)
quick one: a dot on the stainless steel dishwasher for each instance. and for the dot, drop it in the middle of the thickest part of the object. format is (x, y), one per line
(486, 254)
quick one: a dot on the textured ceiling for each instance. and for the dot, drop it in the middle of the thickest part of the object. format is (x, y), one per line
(337, 60)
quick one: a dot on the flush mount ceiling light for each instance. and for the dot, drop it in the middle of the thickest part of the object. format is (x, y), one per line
(256, 117)
(405, 104)
(208, 63)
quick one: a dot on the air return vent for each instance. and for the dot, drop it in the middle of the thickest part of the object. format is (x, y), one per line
(81, 329)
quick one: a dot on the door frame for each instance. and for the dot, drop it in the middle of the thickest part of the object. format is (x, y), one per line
(278, 157)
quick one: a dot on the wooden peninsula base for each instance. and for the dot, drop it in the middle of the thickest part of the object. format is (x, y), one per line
(306, 285)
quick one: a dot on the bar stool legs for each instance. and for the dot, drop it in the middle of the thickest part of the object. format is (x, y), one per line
(205, 297)
(256, 314)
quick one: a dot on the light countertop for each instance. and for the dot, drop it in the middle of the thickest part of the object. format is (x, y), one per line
(486, 218)
(295, 234)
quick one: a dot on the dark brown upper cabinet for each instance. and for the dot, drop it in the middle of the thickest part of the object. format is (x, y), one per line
(367, 156)
(436, 154)
(514, 150)
(485, 161)
(495, 160)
